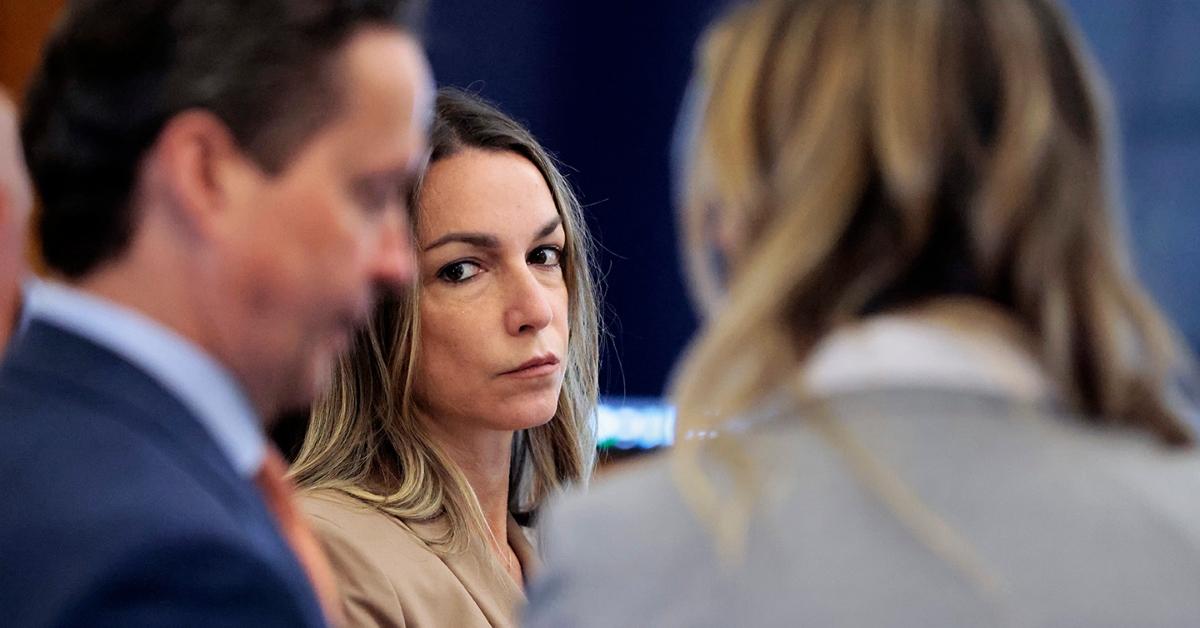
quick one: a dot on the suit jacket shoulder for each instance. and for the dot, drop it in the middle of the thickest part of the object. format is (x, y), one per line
(119, 504)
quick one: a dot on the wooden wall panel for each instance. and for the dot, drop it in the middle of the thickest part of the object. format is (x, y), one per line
(23, 27)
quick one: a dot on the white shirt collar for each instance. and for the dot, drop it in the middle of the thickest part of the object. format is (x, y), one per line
(200, 382)
(956, 344)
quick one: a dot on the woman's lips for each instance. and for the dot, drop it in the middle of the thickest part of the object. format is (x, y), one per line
(536, 367)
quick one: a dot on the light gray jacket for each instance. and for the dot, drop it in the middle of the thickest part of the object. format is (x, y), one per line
(1051, 522)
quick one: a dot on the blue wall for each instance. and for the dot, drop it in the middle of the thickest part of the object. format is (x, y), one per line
(600, 82)
(1150, 52)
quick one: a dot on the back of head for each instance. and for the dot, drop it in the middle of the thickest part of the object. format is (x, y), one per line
(115, 71)
(861, 156)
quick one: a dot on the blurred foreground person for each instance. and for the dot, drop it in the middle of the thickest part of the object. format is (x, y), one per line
(468, 401)
(221, 186)
(15, 201)
(931, 392)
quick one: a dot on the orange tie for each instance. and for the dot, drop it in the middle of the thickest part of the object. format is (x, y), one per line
(278, 492)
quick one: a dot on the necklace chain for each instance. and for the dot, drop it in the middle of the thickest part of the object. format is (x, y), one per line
(504, 551)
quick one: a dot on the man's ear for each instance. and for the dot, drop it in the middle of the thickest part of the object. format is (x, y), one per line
(203, 171)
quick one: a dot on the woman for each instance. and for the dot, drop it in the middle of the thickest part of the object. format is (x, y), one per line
(930, 389)
(468, 400)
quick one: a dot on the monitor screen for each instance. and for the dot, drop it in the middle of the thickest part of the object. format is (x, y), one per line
(626, 423)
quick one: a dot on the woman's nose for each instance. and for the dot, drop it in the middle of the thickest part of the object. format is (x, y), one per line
(529, 309)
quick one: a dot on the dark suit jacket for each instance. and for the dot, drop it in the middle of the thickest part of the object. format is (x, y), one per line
(118, 509)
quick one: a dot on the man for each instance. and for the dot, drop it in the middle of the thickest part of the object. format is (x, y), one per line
(14, 215)
(223, 185)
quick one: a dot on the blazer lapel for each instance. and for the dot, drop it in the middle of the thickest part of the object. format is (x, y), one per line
(497, 596)
(526, 551)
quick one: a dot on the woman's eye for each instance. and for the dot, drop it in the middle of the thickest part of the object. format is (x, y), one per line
(546, 256)
(458, 272)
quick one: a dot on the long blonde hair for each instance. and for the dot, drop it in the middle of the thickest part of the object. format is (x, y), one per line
(364, 438)
(860, 155)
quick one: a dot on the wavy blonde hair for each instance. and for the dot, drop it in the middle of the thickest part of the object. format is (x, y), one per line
(853, 156)
(364, 437)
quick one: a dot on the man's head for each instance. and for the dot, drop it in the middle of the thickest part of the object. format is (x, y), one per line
(15, 199)
(257, 151)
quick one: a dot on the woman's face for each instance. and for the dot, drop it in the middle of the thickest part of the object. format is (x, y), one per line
(493, 304)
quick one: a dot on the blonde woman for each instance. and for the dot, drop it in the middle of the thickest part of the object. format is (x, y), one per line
(930, 391)
(467, 401)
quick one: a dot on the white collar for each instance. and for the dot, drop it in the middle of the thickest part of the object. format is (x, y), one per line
(957, 344)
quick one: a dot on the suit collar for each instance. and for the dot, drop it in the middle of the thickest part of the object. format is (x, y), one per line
(199, 382)
(89, 382)
(75, 368)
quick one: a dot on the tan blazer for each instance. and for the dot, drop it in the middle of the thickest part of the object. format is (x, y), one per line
(388, 576)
